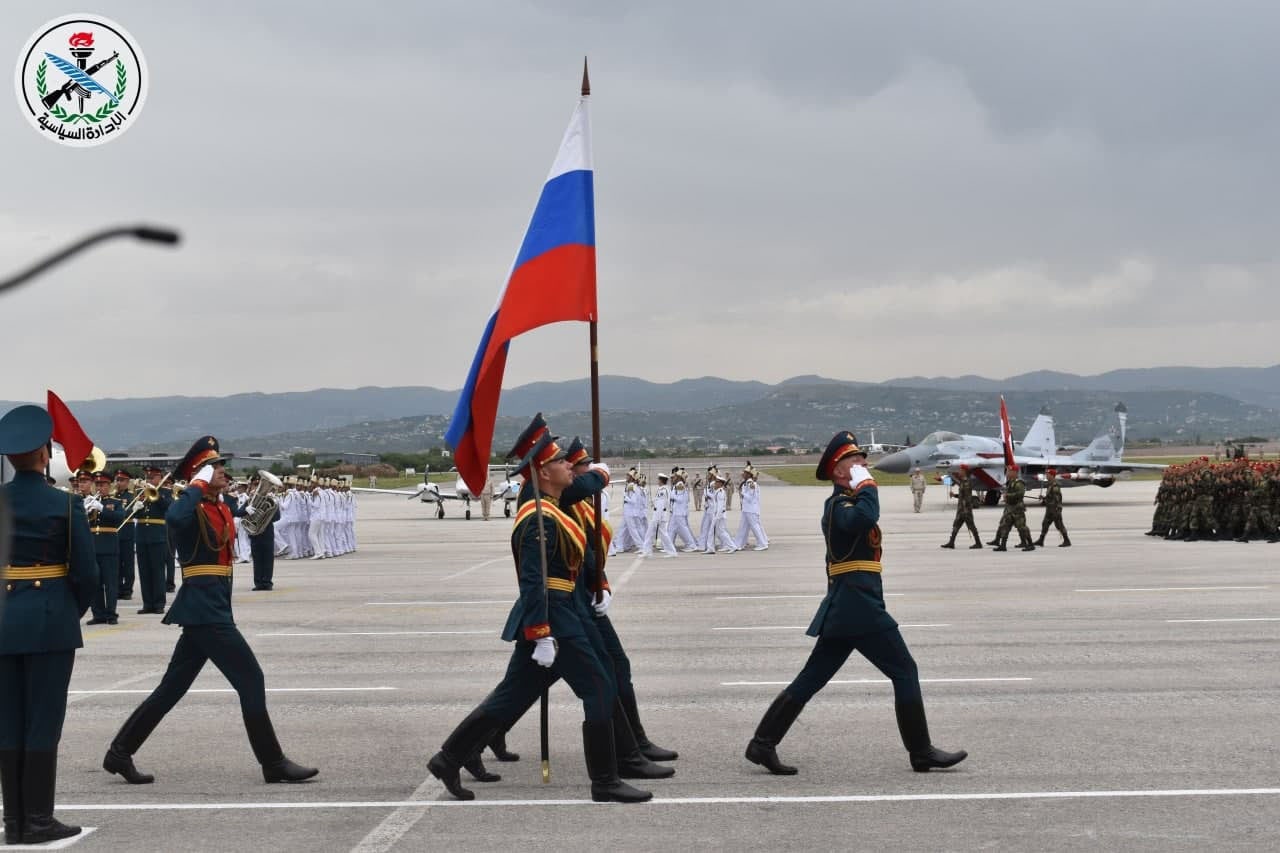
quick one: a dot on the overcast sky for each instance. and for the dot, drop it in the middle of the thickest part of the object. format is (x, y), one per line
(859, 190)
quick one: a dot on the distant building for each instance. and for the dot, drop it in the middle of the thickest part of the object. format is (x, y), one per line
(324, 459)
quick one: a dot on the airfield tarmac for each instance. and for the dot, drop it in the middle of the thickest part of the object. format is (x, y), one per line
(1122, 694)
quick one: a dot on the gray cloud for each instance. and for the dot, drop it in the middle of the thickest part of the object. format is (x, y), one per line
(860, 190)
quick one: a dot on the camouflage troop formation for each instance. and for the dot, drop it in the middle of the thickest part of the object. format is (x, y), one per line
(1237, 500)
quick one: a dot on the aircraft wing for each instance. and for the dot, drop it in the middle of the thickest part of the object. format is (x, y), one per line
(409, 493)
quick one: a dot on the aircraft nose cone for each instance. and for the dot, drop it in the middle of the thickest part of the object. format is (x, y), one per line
(894, 463)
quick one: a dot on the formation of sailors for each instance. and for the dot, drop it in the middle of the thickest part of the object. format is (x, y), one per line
(660, 517)
(317, 518)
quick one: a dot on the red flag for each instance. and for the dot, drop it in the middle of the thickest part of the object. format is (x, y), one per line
(1006, 435)
(68, 433)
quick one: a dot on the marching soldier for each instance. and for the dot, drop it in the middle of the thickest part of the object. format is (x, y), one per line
(852, 616)
(126, 538)
(105, 514)
(203, 530)
(48, 583)
(657, 526)
(964, 510)
(749, 524)
(1015, 513)
(635, 752)
(697, 488)
(1053, 510)
(549, 626)
(681, 534)
(153, 542)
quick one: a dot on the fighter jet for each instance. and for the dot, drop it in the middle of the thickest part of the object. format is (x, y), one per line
(1101, 463)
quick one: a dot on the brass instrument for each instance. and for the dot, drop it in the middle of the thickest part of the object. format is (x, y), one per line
(264, 504)
(95, 462)
(149, 494)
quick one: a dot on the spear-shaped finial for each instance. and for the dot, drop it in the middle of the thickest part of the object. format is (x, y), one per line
(586, 84)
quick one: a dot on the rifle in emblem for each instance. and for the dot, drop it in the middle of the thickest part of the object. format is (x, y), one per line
(52, 98)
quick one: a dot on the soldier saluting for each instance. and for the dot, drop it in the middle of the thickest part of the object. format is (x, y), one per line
(852, 616)
(204, 531)
(48, 584)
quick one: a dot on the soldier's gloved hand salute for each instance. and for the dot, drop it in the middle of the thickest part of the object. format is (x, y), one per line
(544, 651)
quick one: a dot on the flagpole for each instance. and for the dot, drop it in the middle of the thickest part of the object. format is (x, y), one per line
(598, 533)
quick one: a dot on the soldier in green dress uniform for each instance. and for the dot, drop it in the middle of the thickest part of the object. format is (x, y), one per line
(852, 617)
(48, 582)
(964, 510)
(204, 533)
(104, 524)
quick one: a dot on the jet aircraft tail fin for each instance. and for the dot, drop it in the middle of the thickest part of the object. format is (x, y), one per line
(1040, 439)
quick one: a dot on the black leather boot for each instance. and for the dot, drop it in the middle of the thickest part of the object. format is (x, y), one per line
(602, 766)
(999, 547)
(951, 543)
(475, 766)
(266, 748)
(11, 783)
(1065, 543)
(121, 764)
(1040, 541)
(467, 739)
(648, 748)
(773, 728)
(914, 728)
(39, 781)
(499, 746)
(631, 761)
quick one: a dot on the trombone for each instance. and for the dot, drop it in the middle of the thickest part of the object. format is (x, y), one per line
(149, 495)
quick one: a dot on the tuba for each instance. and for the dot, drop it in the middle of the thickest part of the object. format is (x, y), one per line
(264, 504)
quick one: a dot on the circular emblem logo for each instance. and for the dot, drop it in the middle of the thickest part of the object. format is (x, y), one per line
(81, 80)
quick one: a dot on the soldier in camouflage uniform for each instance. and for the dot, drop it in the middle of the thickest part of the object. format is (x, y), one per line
(1015, 513)
(1053, 510)
(964, 510)
(1200, 524)
(1259, 520)
(1160, 518)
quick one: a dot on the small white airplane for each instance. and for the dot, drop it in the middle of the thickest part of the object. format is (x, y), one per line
(876, 448)
(430, 493)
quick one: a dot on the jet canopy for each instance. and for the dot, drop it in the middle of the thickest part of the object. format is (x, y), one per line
(935, 438)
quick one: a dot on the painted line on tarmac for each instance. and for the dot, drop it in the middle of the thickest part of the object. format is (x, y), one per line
(232, 690)
(369, 633)
(805, 627)
(387, 834)
(1170, 588)
(1240, 619)
(507, 601)
(476, 566)
(631, 570)
(805, 595)
(874, 681)
(680, 801)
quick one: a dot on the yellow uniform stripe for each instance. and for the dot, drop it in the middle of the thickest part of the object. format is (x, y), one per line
(150, 520)
(205, 571)
(853, 566)
(104, 530)
(560, 584)
(33, 573)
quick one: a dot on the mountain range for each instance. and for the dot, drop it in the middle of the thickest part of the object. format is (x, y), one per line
(1170, 403)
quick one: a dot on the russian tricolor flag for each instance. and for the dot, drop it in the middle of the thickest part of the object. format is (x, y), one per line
(553, 279)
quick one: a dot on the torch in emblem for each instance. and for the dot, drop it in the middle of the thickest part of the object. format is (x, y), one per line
(82, 49)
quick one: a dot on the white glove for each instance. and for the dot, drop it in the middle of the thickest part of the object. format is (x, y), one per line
(249, 511)
(602, 606)
(601, 467)
(205, 474)
(92, 503)
(858, 474)
(544, 651)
